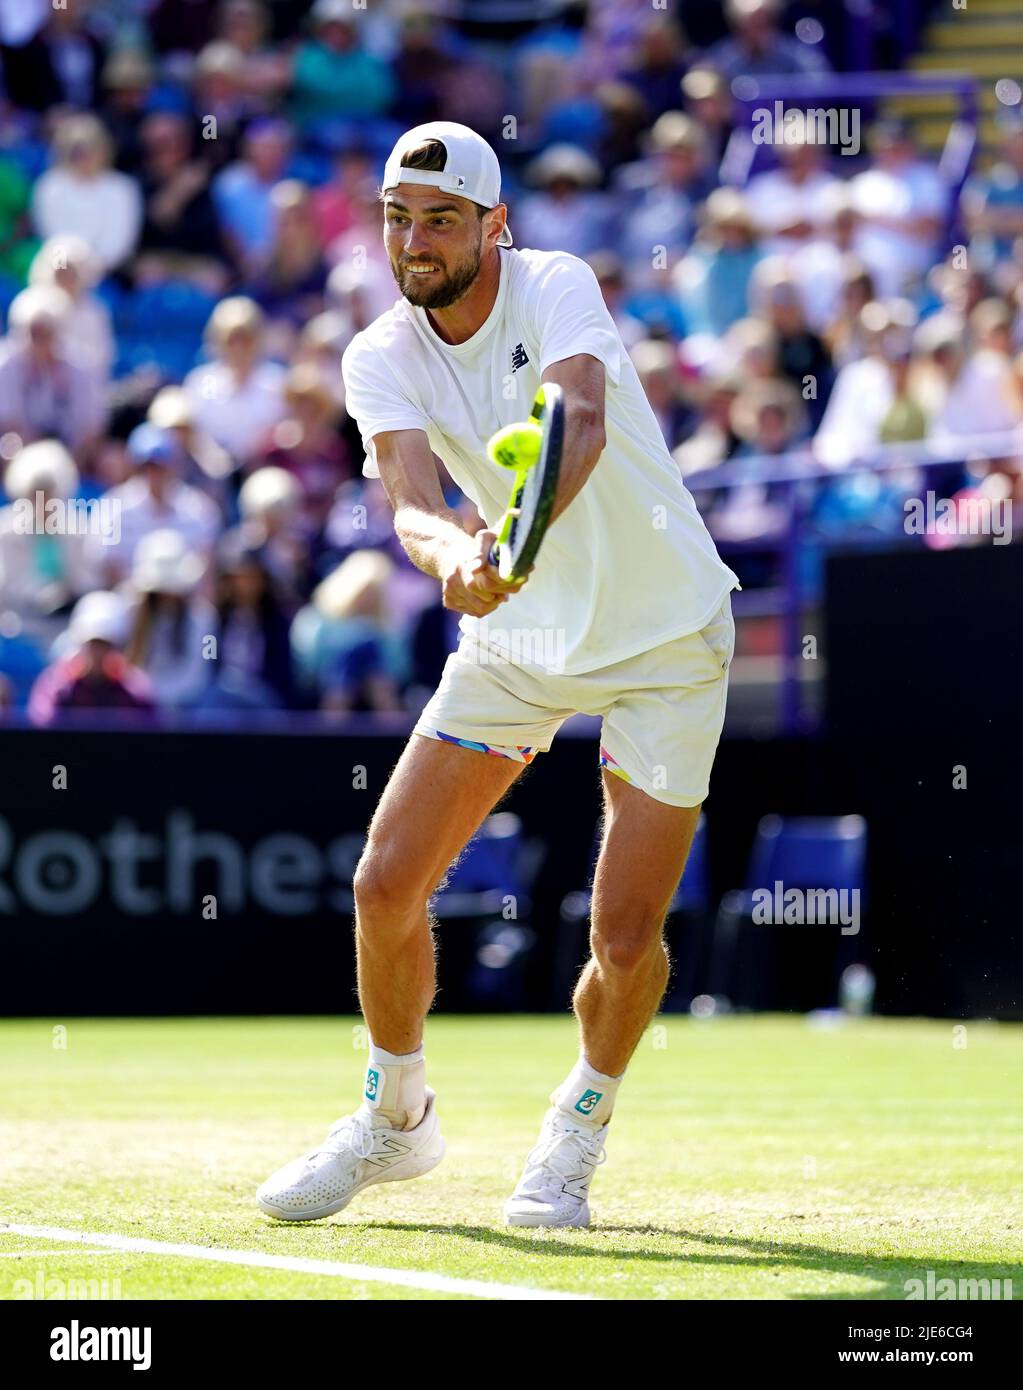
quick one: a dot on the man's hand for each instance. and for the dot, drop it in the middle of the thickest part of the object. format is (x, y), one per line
(471, 584)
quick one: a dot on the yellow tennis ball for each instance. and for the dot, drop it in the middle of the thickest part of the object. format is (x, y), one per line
(516, 446)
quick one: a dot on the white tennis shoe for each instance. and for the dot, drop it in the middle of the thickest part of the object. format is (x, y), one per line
(356, 1153)
(555, 1183)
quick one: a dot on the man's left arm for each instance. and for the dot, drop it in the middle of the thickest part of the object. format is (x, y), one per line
(581, 378)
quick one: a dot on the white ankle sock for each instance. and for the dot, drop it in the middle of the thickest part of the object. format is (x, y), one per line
(587, 1094)
(395, 1087)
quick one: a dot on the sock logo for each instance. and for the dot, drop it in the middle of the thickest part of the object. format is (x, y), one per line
(372, 1084)
(588, 1101)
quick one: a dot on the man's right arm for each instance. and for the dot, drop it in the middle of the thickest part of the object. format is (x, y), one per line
(431, 532)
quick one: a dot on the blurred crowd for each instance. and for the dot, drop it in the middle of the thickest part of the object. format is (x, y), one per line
(190, 236)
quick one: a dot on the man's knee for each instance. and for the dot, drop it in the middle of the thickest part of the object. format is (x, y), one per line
(630, 945)
(386, 892)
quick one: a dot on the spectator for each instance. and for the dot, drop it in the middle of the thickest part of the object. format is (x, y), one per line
(756, 48)
(607, 267)
(243, 192)
(171, 624)
(973, 389)
(253, 641)
(342, 642)
(219, 95)
(270, 503)
(420, 66)
(155, 498)
(844, 333)
(567, 214)
(181, 236)
(128, 78)
(87, 335)
(901, 202)
(361, 283)
(306, 445)
(43, 394)
(660, 194)
(714, 439)
(707, 99)
(792, 203)
(205, 464)
(81, 195)
(41, 573)
(713, 279)
(657, 368)
(767, 417)
(290, 285)
(862, 395)
(803, 359)
(236, 397)
(906, 418)
(820, 265)
(334, 203)
(17, 244)
(333, 74)
(264, 70)
(320, 344)
(659, 66)
(96, 675)
(60, 64)
(993, 203)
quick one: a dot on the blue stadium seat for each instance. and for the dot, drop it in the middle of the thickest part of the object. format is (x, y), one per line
(162, 325)
(751, 963)
(487, 873)
(809, 852)
(9, 288)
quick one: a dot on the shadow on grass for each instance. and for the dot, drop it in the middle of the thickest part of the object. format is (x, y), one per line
(890, 1273)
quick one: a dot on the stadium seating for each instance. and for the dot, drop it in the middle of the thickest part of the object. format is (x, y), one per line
(748, 958)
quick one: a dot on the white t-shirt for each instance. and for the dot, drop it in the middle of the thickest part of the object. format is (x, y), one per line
(629, 564)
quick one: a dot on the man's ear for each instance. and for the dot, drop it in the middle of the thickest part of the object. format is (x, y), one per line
(495, 225)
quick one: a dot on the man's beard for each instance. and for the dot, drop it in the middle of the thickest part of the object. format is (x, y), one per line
(445, 291)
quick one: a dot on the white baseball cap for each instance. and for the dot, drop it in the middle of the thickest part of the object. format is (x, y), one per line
(470, 171)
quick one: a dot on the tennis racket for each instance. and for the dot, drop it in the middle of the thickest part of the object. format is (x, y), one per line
(523, 526)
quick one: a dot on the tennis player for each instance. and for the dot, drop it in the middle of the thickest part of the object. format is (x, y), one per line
(630, 586)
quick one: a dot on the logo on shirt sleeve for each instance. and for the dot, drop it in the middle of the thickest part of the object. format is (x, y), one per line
(519, 358)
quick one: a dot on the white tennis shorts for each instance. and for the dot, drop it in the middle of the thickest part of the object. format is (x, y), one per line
(661, 710)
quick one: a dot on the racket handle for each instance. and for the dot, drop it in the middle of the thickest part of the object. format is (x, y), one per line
(492, 555)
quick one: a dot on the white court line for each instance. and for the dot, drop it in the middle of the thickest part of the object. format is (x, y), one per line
(21, 1254)
(375, 1274)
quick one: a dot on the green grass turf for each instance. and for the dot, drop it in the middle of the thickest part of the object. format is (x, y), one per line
(748, 1157)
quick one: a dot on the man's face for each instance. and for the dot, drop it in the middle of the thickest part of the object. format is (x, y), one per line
(434, 243)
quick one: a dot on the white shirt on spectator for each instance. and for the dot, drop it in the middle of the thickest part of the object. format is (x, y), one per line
(776, 200)
(981, 400)
(106, 212)
(895, 257)
(184, 509)
(236, 414)
(860, 399)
